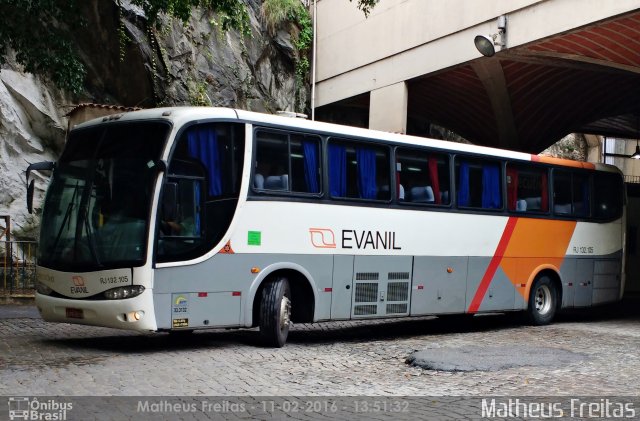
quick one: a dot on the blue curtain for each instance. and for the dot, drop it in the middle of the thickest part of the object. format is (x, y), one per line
(203, 145)
(366, 173)
(310, 149)
(463, 185)
(337, 170)
(491, 187)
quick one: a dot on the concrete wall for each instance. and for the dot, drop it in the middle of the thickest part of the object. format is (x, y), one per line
(403, 39)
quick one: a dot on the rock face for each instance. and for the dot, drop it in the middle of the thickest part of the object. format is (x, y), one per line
(194, 64)
(200, 65)
(170, 64)
(32, 129)
(572, 146)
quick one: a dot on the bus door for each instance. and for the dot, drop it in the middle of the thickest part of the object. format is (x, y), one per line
(342, 287)
(381, 286)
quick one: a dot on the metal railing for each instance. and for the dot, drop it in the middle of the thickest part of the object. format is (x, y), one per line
(17, 267)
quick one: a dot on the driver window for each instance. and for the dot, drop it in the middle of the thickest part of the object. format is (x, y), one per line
(200, 190)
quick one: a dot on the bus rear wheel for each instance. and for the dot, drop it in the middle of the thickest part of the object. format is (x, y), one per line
(275, 312)
(543, 301)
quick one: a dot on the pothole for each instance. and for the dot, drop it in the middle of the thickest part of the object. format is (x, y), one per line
(491, 358)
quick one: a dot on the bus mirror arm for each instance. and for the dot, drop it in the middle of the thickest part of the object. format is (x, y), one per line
(30, 188)
(161, 166)
(38, 166)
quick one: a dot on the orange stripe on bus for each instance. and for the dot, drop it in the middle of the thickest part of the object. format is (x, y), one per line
(563, 162)
(540, 238)
(535, 243)
(493, 265)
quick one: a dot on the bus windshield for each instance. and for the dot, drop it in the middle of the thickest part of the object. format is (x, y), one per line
(96, 212)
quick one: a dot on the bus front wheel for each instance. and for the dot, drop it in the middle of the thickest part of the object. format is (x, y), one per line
(543, 301)
(275, 312)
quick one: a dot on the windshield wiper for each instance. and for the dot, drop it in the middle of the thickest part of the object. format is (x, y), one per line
(91, 239)
(66, 217)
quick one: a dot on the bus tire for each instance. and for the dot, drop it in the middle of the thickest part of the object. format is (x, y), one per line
(543, 301)
(275, 312)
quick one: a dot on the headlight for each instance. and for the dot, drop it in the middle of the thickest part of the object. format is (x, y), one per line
(121, 293)
(43, 289)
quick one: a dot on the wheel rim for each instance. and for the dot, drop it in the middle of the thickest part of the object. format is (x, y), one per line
(285, 312)
(543, 299)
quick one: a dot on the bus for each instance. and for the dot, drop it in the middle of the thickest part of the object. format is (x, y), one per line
(178, 219)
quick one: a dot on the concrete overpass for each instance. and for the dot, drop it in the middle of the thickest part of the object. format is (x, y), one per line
(567, 66)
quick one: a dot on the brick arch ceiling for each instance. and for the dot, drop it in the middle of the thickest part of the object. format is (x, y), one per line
(528, 97)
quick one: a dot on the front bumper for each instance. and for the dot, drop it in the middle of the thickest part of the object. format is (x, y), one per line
(135, 313)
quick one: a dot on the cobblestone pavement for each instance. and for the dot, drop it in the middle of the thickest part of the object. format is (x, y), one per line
(338, 358)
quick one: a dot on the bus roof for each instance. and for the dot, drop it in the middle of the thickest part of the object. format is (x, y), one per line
(181, 115)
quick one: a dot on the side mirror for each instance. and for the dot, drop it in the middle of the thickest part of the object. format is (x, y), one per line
(38, 166)
(30, 189)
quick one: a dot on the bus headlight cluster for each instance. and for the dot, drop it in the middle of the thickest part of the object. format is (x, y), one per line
(123, 292)
(43, 289)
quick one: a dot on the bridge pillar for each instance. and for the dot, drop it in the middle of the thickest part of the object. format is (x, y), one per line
(388, 108)
(594, 143)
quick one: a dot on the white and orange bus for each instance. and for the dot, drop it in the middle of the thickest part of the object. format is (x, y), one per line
(191, 218)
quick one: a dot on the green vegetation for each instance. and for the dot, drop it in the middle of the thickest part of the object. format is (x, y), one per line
(278, 12)
(198, 94)
(38, 31)
(34, 30)
(366, 5)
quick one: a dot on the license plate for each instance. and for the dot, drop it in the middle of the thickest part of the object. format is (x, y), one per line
(74, 313)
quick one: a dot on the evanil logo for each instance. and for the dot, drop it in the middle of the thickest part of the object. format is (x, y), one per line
(322, 238)
(78, 281)
(78, 285)
(354, 239)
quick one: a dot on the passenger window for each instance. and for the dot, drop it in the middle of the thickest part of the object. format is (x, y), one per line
(527, 188)
(359, 170)
(213, 147)
(581, 195)
(561, 192)
(478, 183)
(287, 162)
(607, 192)
(422, 177)
(571, 194)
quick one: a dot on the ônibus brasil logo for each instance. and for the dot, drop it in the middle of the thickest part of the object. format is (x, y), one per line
(24, 408)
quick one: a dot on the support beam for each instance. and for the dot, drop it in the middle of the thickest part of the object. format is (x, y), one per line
(388, 108)
(490, 73)
(594, 151)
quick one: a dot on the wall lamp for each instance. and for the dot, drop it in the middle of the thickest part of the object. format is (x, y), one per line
(486, 43)
(636, 154)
